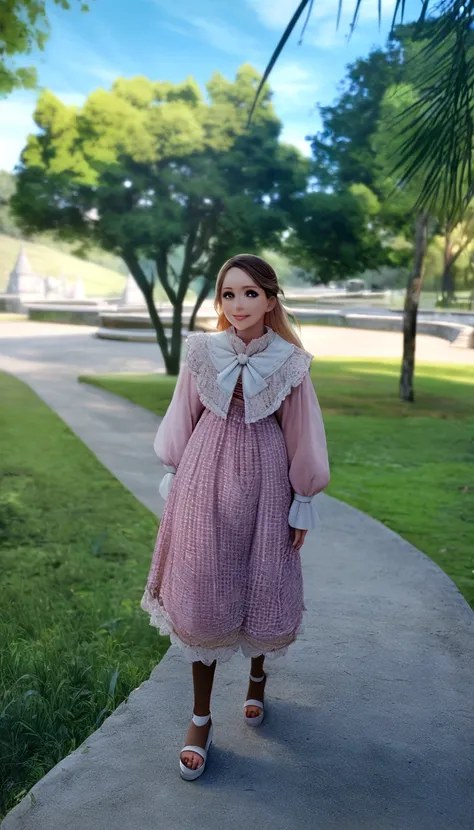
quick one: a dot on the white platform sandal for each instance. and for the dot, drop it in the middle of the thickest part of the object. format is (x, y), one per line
(191, 774)
(255, 721)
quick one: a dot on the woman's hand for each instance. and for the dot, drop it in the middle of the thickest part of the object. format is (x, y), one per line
(298, 537)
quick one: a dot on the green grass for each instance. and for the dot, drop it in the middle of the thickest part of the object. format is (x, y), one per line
(11, 317)
(76, 545)
(153, 392)
(76, 550)
(344, 386)
(409, 466)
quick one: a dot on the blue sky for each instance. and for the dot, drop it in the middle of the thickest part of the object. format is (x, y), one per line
(172, 39)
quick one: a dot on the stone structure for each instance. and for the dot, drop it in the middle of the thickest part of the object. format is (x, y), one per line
(26, 287)
(131, 296)
(77, 292)
(24, 282)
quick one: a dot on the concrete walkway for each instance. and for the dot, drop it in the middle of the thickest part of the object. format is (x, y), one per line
(369, 717)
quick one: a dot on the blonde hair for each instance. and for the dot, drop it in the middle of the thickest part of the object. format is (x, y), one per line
(265, 277)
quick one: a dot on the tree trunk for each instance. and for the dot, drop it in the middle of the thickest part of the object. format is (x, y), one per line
(447, 280)
(411, 309)
(171, 356)
(205, 288)
(447, 284)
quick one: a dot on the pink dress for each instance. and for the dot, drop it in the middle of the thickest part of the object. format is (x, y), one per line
(224, 575)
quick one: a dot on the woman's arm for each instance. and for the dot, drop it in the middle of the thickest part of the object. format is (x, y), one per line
(177, 425)
(302, 425)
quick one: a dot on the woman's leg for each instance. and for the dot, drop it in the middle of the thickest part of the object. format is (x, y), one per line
(255, 690)
(203, 678)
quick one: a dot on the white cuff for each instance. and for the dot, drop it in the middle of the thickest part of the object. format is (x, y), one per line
(303, 514)
(167, 481)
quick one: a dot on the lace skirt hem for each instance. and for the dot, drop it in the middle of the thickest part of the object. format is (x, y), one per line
(162, 621)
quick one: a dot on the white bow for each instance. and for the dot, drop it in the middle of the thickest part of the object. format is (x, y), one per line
(255, 367)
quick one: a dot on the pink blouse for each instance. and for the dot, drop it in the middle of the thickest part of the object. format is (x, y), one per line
(300, 419)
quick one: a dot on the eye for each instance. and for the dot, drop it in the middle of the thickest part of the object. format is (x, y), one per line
(249, 291)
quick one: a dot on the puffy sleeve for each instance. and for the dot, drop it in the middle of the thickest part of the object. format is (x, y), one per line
(302, 425)
(177, 425)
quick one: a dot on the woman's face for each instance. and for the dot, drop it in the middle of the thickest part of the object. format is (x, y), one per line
(242, 296)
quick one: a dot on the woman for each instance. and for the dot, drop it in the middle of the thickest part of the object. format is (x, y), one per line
(245, 446)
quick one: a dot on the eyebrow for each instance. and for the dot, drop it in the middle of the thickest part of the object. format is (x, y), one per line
(243, 286)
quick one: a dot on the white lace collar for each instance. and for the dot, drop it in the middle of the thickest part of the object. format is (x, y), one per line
(258, 344)
(270, 367)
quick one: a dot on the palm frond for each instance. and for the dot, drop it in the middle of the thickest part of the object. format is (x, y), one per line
(439, 138)
(439, 127)
(286, 34)
(398, 10)
(356, 14)
(308, 4)
(310, 9)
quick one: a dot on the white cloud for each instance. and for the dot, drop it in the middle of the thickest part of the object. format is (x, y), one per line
(276, 14)
(369, 10)
(220, 35)
(293, 136)
(71, 99)
(10, 149)
(295, 90)
(323, 30)
(216, 32)
(290, 81)
(174, 27)
(16, 114)
(16, 119)
(103, 73)
(326, 35)
(94, 68)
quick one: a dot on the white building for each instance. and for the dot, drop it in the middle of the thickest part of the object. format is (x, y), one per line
(131, 294)
(24, 282)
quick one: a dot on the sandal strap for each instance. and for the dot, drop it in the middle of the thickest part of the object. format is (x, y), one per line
(200, 720)
(258, 703)
(258, 679)
(199, 749)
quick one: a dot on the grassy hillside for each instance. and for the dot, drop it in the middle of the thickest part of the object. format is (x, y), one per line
(53, 260)
(48, 261)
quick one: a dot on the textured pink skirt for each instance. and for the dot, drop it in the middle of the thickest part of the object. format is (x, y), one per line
(224, 575)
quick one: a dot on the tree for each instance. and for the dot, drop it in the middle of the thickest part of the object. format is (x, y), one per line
(440, 122)
(335, 235)
(7, 189)
(374, 91)
(151, 166)
(402, 195)
(23, 26)
(342, 151)
(457, 239)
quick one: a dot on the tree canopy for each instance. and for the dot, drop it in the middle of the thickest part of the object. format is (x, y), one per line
(150, 166)
(441, 119)
(342, 150)
(336, 235)
(23, 26)
(7, 189)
